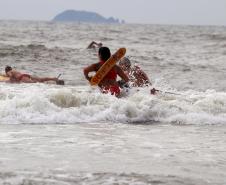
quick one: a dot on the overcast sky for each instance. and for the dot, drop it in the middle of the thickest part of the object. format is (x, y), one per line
(201, 12)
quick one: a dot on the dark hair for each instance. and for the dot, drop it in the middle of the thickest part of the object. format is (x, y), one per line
(104, 53)
(7, 69)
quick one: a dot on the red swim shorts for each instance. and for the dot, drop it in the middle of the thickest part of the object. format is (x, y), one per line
(113, 89)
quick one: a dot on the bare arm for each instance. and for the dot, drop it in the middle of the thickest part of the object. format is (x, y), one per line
(141, 77)
(12, 75)
(144, 75)
(89, 69)
(92, 44)
(121, 73)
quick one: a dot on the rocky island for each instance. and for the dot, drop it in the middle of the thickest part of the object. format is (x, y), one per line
(85, 16)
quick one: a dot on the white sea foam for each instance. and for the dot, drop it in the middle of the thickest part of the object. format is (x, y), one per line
(51, 104)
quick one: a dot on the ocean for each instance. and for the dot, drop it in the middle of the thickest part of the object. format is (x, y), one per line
(73, 134)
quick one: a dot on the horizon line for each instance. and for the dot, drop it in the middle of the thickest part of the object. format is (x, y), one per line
(126, 23)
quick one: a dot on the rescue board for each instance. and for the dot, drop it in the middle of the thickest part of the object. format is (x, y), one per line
(4, 78)
(107, 66)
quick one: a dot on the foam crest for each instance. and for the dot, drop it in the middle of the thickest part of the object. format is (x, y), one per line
(43, 104)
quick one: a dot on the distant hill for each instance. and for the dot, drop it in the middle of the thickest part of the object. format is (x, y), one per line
(84, 16)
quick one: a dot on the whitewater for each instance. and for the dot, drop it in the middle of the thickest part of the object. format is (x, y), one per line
(73, 134)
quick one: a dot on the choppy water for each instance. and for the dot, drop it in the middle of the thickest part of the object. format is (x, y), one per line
(75, 135)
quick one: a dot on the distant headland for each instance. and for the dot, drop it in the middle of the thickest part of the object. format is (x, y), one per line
(85, 16)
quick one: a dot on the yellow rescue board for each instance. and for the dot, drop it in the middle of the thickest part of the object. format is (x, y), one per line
(3, 78)
(107, 66)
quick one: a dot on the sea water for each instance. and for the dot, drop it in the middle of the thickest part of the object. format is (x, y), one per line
(73, 134)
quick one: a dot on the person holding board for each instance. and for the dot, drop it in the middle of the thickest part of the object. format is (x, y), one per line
(109, 82)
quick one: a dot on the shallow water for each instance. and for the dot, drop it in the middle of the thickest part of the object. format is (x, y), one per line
(112, 153)
(73, 134)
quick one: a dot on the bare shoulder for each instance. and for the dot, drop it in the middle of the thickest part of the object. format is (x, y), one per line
(15, 72)
(96, 66)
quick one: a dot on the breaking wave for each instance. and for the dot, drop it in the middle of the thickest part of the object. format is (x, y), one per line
(43, 104)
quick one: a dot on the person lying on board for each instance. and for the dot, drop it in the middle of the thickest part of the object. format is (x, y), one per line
(109, 83)
(18, 77)
(94, 45)
(137, 77)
